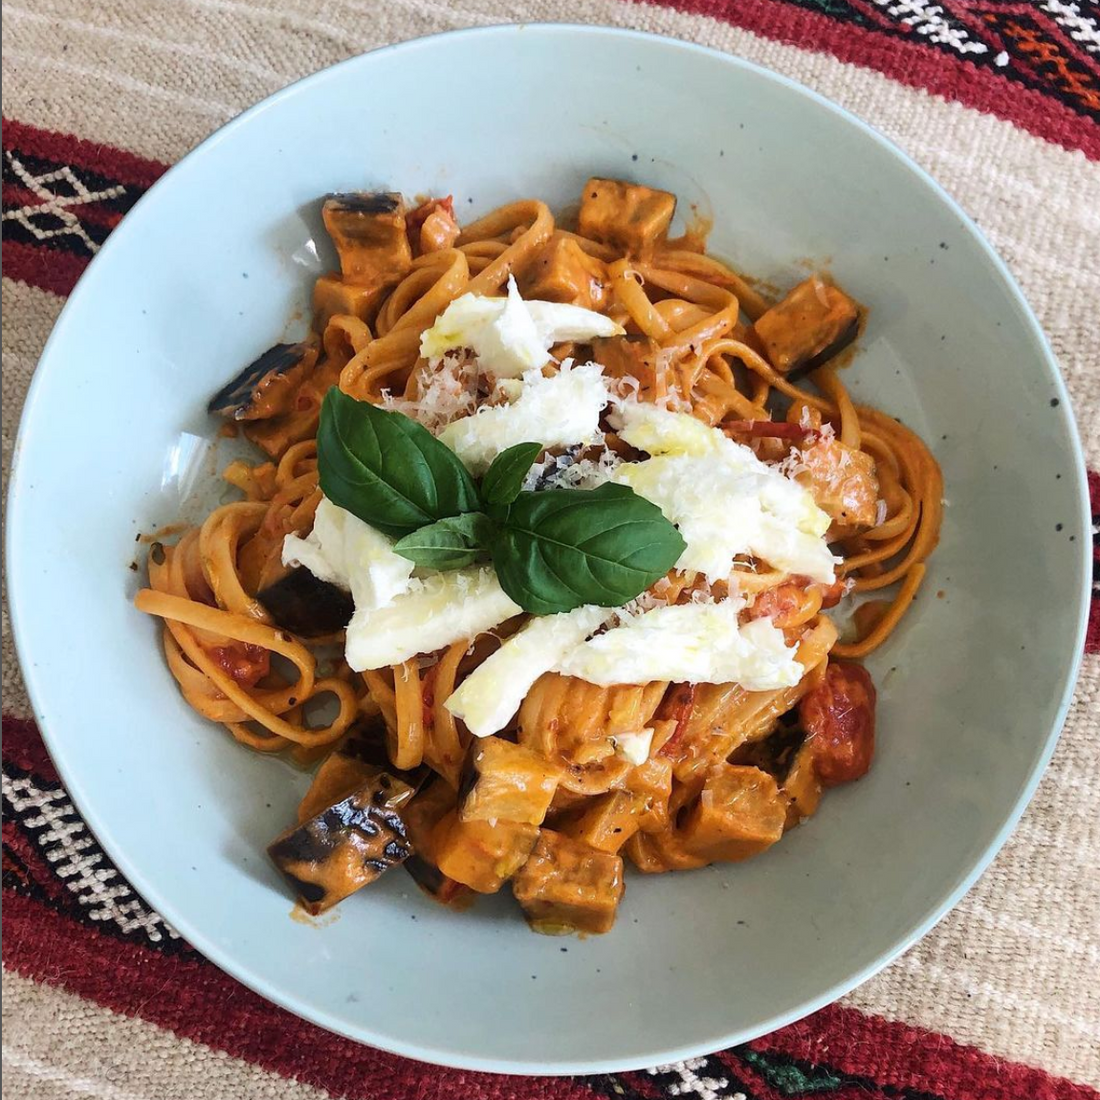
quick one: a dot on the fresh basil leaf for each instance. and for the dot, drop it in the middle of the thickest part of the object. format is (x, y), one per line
(562, 548)
(504, 479)
(448, 543)
(387, 469)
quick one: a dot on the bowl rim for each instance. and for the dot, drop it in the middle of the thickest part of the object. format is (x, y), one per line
(84, 801)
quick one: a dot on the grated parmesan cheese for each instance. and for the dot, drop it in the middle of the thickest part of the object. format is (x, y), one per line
(448, 394)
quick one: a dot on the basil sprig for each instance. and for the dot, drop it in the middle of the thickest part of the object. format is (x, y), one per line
(553, 550)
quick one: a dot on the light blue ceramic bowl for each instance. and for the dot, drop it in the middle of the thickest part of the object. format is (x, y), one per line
(205, 272)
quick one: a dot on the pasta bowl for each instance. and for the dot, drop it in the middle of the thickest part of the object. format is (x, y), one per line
(219, 256)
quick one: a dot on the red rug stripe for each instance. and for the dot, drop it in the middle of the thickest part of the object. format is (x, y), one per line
(911, 62)
(199, 1002)
(118, 164)
(904, 1057)
(24, 747)
(46, 268)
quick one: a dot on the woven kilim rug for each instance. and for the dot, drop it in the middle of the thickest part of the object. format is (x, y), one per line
(1000, 100)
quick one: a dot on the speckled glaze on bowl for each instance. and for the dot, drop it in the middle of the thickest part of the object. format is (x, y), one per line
(203, 274)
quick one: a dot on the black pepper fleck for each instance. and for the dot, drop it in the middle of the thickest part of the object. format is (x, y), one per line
(1054, 402)
(634, 156)
(1057, 527)
(943, 245)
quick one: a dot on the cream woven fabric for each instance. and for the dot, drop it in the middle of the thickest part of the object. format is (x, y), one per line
(1015, 968)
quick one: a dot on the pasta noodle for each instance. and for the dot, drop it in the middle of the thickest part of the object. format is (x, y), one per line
(720, 354)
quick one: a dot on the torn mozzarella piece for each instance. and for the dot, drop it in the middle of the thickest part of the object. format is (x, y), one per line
(724, 500)
(688, 643)
(437, 611)
(492, 693)
(508, 335)
(345, 551)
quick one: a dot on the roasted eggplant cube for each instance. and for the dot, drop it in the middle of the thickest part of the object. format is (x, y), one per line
(332, 297)
(632, 356)
(566, 886)
(303, 604)
(358, 758)
(369, 232)
(842, 480)
(507, 782)
(625, 215)
(346, 846)
(479, 854)
(739, 814)
(608, 822)
(812, 324)
(266, 388)
(564, 272)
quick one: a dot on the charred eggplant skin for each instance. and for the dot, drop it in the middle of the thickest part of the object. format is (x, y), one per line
(427, 876)
(844, 340)
(365, 202)
(304, 605)
(235, 398)
(346, 846)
